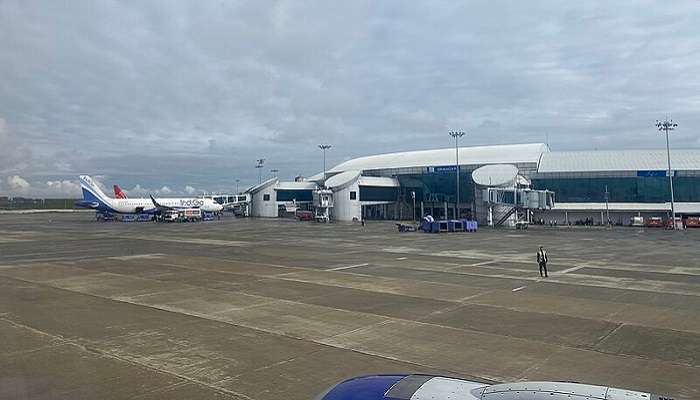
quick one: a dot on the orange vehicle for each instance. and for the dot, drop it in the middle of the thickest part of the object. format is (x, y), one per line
(655, 222)
(692, 222)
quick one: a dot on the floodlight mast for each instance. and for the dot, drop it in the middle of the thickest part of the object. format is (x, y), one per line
(665, 126)
(456, 135)
(324, 147)
(260, 163)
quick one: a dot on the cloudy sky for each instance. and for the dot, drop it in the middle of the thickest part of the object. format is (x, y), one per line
(184, 96)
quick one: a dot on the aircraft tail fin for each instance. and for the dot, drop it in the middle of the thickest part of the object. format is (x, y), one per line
(91, 192)
(119, 193)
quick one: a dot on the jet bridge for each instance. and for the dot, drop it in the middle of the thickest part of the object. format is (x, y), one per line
(239, 204)
(507, 195)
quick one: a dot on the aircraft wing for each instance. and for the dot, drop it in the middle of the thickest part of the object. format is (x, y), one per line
(158, 206)
(196, 204)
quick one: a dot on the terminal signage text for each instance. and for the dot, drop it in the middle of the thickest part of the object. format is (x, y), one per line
(654, 173)
(443, 169)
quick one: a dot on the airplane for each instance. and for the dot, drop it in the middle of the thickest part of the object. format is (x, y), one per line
(118, 193)
(423, 387)
(94, 197)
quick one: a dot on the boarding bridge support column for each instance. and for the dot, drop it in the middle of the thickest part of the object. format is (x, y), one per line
(445, 210)
(422, 212)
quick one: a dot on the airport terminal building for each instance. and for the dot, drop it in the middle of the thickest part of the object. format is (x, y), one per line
(384, 186)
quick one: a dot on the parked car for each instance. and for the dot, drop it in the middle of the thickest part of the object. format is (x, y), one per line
(655, 222)
(304, 215)
(637, 221)
(692, 222)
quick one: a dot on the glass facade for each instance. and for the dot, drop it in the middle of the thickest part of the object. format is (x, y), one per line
(438, 187)
(298, 195)
(378, 193)
(621, 189)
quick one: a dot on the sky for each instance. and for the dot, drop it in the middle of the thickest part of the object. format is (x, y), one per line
(179, 97)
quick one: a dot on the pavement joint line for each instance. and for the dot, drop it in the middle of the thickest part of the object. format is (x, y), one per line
(137, 296)
(607, 335)
(58, 259)
(256, 305)
(538, 364)
(482, 263)
(518, 289)
(138, 256)
(360, 329)
(566, 271)
(348, 267)
(474, 296)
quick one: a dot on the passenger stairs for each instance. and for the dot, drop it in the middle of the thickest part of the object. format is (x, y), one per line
(507, 205)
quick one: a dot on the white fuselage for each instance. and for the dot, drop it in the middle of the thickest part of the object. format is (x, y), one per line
(145, 205)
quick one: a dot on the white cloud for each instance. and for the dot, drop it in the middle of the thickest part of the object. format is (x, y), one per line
(190, 190)
(18, 184)
(164, 190)
(64, 187)
(137, 191)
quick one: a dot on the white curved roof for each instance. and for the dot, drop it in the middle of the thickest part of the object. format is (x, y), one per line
(618, 160)
(263, 185)
(478, 155)
(342, 179)
(495, 175)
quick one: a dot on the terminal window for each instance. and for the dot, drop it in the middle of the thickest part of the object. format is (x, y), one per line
(353, 195)
(266, 197)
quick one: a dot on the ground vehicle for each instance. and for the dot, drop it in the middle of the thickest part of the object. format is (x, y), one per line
(655, 222)
(190, 214)
(169, 216)
(692, 222)
(105, 216)
(304, 215)
(637, 221)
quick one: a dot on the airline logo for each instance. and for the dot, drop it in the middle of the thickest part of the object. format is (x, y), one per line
(89, 181)
(191, 203)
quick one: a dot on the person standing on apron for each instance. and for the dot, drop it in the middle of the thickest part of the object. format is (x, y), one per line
(542, 261)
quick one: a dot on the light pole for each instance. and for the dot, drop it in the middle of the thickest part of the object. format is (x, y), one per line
(237, 181)
(456, 135)
(413, 196)
(324, 147)
(607, 206)
(668, 125)
(260, 162)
